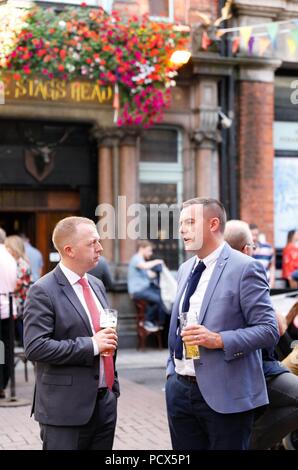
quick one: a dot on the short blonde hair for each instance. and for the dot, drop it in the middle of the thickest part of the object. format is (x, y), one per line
(66, 229)
(16, 245)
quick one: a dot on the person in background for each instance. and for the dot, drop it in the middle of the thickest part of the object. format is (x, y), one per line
(290, 259)
(280, 417)
(8, 280)
(103, 273)
(291, 361)
(15, 245)
(142, 285)
(264, 253)
(35, 258)
(211, 400)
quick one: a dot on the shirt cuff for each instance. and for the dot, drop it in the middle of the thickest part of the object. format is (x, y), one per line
(95, 347)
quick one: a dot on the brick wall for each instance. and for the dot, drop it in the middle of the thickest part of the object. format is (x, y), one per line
(256, 154)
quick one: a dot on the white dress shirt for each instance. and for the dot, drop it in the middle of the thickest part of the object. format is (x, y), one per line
(73, 279)
(186, 366)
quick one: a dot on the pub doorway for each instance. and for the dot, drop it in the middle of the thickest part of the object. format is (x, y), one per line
(38, 222)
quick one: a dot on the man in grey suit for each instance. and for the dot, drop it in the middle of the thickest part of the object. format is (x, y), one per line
(75, 399)
(211, 400)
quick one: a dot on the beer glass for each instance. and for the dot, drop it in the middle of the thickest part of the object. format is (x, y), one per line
(108, 319)
(186, 319)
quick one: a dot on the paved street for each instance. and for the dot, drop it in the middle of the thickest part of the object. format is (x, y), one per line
(142, 422)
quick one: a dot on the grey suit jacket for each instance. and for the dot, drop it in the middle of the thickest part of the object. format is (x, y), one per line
(237, 305)
(57, 337)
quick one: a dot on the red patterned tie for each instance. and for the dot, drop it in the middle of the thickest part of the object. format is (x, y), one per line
(95, 317)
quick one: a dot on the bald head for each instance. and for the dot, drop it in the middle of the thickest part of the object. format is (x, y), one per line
(238, 235)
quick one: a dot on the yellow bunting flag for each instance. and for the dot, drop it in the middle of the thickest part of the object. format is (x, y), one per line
(291, 46)
(245, 34)
(263, 45)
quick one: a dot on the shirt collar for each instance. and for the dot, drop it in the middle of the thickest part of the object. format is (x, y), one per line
(71, 276)
(213, 257)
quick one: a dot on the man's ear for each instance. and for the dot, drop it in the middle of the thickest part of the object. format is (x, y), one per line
(68, 250)
(245, 250)
(214, 224)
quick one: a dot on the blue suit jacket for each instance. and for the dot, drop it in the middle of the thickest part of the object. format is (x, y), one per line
(236, 305)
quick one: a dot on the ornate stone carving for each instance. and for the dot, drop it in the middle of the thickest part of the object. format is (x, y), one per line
(207, 135)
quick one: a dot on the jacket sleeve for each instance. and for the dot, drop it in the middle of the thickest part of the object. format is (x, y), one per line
(39, 326)
(261, 329)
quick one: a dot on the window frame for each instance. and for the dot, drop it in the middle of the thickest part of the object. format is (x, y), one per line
(166, 19)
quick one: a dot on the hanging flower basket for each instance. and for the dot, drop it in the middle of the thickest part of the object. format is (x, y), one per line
(133, 54)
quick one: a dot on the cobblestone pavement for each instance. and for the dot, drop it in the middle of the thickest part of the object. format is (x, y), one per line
(142, 422)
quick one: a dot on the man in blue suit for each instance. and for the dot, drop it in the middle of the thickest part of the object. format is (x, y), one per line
(211, 400)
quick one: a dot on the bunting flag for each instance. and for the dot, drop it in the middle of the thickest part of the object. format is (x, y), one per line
(291, 46)
(263, 45)
(245, 34)
(294, 35)
(256, 39)
(116, 102)
(235, 44)
(2, 92)
(272, 29)
(205, 42)
(251, 44)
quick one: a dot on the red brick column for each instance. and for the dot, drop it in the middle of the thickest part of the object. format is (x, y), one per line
(128, 186)
(256, 155)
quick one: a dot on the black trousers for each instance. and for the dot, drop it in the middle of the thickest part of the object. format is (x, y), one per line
(196, 426)
(97, 434)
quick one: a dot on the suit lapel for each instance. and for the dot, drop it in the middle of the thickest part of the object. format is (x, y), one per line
(217, 272)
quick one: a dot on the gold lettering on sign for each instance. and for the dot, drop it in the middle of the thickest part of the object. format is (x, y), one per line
(20, 90)
(59, 90)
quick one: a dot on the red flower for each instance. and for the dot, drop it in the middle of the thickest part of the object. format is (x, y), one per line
(16, 76)
(61, 68)
(63, 54)
(26, 69)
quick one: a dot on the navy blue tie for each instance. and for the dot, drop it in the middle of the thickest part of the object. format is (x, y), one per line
(191, 287)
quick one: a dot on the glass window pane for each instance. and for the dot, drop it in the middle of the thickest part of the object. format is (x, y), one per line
(159, 145)
(159, 7)
(161, 232)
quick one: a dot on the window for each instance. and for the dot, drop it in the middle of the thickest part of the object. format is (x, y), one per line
(162, 9)
(159, 145)
(286, 158)
(161, 181)
(105, 4)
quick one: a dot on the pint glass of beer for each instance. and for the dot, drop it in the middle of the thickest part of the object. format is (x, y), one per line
(186, 319)
(108, 319)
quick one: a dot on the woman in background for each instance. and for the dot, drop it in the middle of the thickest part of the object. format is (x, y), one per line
(16, 248)
(290, 259)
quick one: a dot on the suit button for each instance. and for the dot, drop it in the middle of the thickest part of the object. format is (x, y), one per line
(96, 377)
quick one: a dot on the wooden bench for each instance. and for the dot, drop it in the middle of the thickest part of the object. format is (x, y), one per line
(141, 331)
